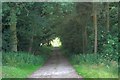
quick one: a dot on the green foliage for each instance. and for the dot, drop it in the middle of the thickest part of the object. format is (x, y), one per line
(110, 49)
(46, 50)
(21, 64)
(75, 41)
(38, 23)
(21, 58)
(94, 66)
(31, 22)
(95, 71)
(18, 72)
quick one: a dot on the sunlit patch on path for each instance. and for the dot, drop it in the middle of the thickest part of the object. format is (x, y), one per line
(56, 67)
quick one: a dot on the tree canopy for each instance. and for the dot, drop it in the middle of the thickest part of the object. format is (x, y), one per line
(82, 27)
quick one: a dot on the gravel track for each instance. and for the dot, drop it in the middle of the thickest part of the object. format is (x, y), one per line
(56, 67)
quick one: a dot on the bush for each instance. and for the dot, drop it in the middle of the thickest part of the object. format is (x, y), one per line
(110, 49)
(45, 50)
(21, 58)
(91, 59)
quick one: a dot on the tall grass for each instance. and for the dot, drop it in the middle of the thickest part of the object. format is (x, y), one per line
(94, 65)
(16, 59)
(22, 64)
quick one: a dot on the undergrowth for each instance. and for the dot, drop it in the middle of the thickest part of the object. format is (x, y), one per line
(22, 64)
(94, 65)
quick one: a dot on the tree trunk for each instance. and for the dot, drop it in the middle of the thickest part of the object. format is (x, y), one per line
(95, 26)
(32, 38)
(13, 21)
(1, 34)
(107, 11)
(1, 28)
(83, 41)
(83, 44)
(85, 37)
(31, 44)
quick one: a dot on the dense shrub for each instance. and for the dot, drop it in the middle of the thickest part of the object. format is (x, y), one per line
(110, 48)
(21, 58)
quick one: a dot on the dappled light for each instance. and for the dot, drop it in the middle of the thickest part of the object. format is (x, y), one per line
(56, 42)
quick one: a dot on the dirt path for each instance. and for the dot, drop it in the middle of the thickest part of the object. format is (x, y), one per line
(56, 67)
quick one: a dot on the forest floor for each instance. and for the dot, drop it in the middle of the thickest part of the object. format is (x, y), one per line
(56, 67)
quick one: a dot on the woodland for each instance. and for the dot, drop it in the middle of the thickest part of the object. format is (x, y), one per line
(88, 32)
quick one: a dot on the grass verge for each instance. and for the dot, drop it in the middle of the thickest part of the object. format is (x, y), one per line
(93, 66)
(21, 64)
(95, 71)
(18, 72)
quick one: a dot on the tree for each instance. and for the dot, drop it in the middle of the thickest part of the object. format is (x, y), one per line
(107, 12)
(13, 21)
(84, 16)
(95, 26)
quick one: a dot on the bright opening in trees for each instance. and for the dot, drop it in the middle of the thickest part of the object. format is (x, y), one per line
(56, 42)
